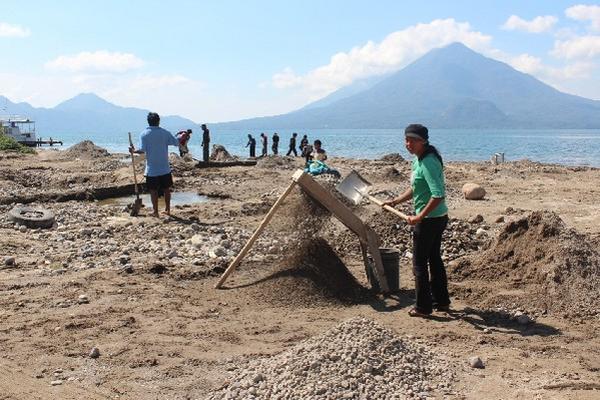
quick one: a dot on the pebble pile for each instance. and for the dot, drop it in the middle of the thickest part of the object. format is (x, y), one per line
(358, 359)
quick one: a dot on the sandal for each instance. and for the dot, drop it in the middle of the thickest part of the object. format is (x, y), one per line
(414, 312)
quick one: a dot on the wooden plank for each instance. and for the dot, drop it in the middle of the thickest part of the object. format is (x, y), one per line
(254, 236)
(336, 207)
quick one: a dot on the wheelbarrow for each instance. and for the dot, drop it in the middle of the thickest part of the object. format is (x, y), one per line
(355, 188)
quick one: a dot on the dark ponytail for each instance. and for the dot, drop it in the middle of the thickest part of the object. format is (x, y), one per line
(429, 149)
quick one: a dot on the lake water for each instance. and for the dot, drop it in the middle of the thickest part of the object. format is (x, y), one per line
(571, 147)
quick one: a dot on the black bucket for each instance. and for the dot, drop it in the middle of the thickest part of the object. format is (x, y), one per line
(391, 268)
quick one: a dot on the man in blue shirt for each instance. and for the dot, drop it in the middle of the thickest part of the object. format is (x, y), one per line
(155, 142)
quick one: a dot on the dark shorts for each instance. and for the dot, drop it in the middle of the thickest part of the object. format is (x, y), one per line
(159, 183)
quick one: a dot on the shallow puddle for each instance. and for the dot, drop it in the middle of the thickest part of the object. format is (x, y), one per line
(177, 199)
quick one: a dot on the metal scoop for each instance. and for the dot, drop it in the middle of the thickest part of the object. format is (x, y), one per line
(354, 187)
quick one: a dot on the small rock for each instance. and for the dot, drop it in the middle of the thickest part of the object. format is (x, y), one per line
(476, 362)
(95, 353)
(83, 299)
(500, 219)
(56, 382)
(481, 233)
(523, 319)
(473, 191)
(9, 261)
(217, 252)
(477, 219)
(22, 229)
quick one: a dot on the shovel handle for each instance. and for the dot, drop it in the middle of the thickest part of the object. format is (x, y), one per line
(386, 207)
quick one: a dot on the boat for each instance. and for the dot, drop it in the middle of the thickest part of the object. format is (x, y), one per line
(22, 129)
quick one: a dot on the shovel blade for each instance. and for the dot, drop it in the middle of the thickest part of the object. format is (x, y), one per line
(136, 207)
(354, 187)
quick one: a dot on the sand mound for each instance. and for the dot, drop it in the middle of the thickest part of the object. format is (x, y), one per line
(219, 153)
(277, 162)
(358, 359)
(540, 249)
(304, 269)
(86, 149)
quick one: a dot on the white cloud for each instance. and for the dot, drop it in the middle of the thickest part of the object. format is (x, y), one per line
(9, 30)
(536, 25)
(101, 60)
(393, 52)
(585, 13)
(535, 66)
(578, 47)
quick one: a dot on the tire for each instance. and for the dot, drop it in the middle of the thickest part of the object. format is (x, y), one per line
(32, 217)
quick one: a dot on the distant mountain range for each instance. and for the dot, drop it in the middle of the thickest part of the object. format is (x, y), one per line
(450, 87)
(86, 114)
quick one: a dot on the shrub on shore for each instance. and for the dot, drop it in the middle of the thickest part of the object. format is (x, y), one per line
(9, 144)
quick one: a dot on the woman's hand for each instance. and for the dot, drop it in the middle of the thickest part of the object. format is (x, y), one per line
(414, 219)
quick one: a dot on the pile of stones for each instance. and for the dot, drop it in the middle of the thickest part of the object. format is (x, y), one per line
(358, 359)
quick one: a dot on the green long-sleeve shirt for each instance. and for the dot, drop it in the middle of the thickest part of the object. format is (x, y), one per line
(427, 181)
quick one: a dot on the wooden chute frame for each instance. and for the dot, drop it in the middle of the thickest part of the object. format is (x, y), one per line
(369, 240)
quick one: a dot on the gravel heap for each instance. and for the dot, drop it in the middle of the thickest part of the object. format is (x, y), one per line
(539, 249)
(358, 359)
(460, 237)
(86, 149)
(393, 158)
(219, 153)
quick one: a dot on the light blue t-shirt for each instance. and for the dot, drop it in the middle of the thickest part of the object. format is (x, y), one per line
(155, 142)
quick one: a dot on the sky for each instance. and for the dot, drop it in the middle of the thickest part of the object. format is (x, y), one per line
(225, 60)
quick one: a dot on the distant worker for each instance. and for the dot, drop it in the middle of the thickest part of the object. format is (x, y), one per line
(428, 195)
(205, 143)
(318, 152)
(155, 142)
(264, 141)
(275, 145)
(252, 144)
(293, 145)
(184, 138)
(303, 144)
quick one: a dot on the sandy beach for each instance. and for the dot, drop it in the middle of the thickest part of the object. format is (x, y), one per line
(523, 266)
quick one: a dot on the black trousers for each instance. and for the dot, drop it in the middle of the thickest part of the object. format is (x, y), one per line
(275, 148)
(252, 151)
(292, 150)
(431, 282)
(205, 151)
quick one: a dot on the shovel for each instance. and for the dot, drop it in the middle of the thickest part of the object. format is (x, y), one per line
(137, 204)
(354, 187)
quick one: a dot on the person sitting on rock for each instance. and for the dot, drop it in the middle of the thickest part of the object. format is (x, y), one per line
(318, 153)
(155, 142)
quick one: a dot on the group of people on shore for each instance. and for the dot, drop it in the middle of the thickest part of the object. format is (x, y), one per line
(183, 138)
(426, 190)
(308, 151)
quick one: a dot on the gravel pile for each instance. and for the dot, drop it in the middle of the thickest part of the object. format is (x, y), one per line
(460, 237)
(358, 359)
(86, 149)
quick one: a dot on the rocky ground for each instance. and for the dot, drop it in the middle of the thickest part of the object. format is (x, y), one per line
(105, 305)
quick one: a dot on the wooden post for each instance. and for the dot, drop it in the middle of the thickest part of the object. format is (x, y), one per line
(254, 236)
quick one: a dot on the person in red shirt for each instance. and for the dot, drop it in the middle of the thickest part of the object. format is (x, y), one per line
(184, 138)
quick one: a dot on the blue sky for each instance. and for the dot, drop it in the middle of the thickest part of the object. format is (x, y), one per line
(226, 60)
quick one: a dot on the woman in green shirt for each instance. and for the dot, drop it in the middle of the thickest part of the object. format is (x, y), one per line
(431, 217)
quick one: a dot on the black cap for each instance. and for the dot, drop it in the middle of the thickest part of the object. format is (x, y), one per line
(417, 131)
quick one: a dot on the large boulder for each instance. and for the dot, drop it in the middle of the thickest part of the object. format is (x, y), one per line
(473, 191)
(220, 153)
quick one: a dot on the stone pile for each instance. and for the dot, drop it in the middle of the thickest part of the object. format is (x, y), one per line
(358, 359)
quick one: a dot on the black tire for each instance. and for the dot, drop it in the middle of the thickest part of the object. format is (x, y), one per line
(32, 217)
